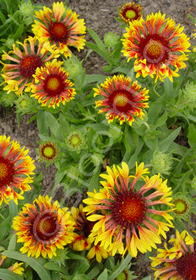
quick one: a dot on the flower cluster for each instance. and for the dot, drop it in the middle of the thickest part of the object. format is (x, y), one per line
(34, 68)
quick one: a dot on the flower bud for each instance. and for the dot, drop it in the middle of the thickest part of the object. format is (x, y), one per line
(111, 39)
(161, 162)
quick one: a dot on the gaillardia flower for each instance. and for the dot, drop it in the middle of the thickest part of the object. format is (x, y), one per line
(60, 27)
(177, 262)
(83, 229)
(43, 227)
(127, 216)
(19, 73)
(130, 12)
(157, 46)
(123, 99)
(47, 151)
(16, 168)
(75, 141)
(82, 239)
(51, 85)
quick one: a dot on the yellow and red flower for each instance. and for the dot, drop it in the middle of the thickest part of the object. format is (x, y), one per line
(60, 27)
(157, 45)
(52, 85)
(83, 229)
(43, 227)
(130, 12)
(177, 262)
(48, 151)
(16, 168)
(127, 216)
(123, 99)
(19, 73)
(82, 236)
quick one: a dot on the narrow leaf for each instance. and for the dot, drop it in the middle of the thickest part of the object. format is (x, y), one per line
(6, 274)
(43, 274)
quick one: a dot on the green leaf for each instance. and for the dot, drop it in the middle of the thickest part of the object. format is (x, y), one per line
(13, 209)
(192, 135)
(124, 263)
(166, 143)
(52, 123)
(97, 40)
(162, 119)
(6, 274)
(19, 32)
(2, 17)
(43, 274)
(102, 53)
(103, 275)
(12, 243)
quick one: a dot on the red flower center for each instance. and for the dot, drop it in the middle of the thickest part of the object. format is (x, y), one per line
(186, 266)
(45, 226)
(54, 85)
(6, 171)
(29, 64)
(58, 32)
(154, 50)
(121, 101)
(129, 208)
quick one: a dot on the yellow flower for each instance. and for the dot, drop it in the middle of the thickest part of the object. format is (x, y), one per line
(123, 99)
(60, 27)
(16, 168)
(18, 74)
(43, 227)
(17, 268)
(130, 12)
(127, 216)
(157, 46)
(177, 262)
(52, 85)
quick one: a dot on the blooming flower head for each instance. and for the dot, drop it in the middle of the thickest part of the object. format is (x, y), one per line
(52, 85)
(127, 214)
(48, 151)
(82, 239)
(19, 73)
(83, 229)
(43, 227)
(123, 99)
(182, 207)
(157, 46)
(130, 12)
(178, 262)
(16, 168)
(60, 27)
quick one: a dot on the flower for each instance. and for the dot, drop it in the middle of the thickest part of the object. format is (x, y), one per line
(111, 39)
(127, 216)
(123, 99)
(16, 168)
(19, 74)
(161, 162)
(43, 227)
(51, 85)
(17, 268)
(75, 141)
(178, 262)
(83, 229)
(130, 12)
(48, 151)
(60, 27)
(82, 238)
(157, 45)
(182, 207)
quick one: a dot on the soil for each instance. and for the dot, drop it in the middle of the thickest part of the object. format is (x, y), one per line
(100, 16)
